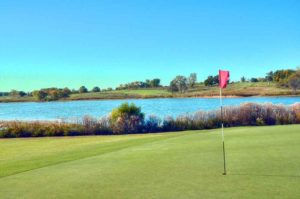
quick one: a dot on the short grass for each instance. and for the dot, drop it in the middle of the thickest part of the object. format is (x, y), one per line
(16, 99)
(263, 162)
(121, 94)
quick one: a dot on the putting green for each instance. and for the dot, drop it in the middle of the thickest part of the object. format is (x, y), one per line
(263, 162)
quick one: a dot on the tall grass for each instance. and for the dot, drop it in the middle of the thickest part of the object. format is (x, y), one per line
(248, 114)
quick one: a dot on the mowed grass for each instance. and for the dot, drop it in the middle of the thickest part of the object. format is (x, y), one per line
(122, 94)
(263, 162)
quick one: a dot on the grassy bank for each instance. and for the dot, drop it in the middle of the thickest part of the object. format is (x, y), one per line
(237, 90)
(263, 162)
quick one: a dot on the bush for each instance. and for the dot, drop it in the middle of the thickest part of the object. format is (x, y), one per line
(152, 124)
(126, 119)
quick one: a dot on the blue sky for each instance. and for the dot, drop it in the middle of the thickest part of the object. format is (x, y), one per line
(72, 43)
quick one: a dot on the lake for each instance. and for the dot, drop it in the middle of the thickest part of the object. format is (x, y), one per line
(98, 108)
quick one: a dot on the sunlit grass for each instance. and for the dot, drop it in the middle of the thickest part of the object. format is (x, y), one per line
(263, 162)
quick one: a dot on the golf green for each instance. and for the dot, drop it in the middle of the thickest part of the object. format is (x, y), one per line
(262, 162)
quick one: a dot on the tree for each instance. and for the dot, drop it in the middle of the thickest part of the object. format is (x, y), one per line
(180, 82)
(253, 79)
(53, 94)
(243, 79)
(294, 81)
(22, 93)
(282, 76)
(83, 89)
(96, 89)
(40, 95)
(16, 93)
(67, 91)
(269, 76)
(211, 80)
(216, 79)
(148, 83)
(192, 79)
(154, 83)
(173, 86)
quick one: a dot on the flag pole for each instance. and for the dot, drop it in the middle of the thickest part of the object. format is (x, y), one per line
(223, 141)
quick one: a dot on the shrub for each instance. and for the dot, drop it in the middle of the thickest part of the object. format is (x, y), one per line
(260, 121)
(152, 124)
(126, 119)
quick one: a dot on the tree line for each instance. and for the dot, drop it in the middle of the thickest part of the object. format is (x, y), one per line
(154, 83)
(284, 78)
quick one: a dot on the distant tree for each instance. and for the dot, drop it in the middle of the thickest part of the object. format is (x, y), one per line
(211, 80)
(83, 89)
(243, 79)
(253, 79)
(269, 76)
(53, 94)
(155, 83)
(67, 91)
(173, 86)
(39, 95)
(109, 89)
(216, 79)
(192, 79)
(22, 93)
(16, 93)
(294, 81)
(180, 82)
(96, 89)
(148, 83)
(4, 94)
(282, 76)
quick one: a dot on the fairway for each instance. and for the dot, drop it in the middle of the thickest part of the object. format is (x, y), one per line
(263, 162)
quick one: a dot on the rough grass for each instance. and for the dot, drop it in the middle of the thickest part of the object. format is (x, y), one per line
(263, 162)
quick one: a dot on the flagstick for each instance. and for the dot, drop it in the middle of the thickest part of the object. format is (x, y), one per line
(224, 157)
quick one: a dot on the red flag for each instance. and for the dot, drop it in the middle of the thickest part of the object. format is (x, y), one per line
(223, 78)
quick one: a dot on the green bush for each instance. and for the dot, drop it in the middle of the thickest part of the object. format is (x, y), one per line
(126, 119)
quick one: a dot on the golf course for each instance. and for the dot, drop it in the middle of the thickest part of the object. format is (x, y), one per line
(262, 162)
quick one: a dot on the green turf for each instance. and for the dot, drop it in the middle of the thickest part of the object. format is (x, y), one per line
(263, 162)
(120, 94)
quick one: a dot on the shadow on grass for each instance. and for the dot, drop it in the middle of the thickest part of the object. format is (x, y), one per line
(264, 175)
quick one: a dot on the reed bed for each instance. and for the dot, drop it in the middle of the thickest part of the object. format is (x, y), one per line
(248, 114)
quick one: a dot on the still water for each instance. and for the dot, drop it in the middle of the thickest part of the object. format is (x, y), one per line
(159, 107)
